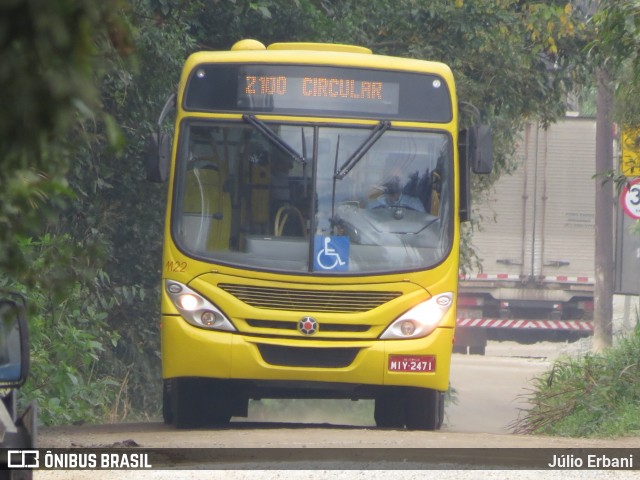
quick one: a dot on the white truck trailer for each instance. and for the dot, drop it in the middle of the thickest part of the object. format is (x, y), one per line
(536, 244)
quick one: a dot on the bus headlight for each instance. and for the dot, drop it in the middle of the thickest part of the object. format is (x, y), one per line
(188, 302)
(421, 320)
(196, 309)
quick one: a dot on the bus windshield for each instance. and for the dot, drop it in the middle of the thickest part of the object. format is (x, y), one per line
(321, 199)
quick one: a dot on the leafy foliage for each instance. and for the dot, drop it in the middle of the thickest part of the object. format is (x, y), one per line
(68, 337)
(48, 52)
(617, 45)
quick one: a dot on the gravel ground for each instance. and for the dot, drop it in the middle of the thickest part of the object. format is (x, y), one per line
(344, 475)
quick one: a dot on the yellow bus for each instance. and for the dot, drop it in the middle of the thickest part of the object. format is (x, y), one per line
(312, 231)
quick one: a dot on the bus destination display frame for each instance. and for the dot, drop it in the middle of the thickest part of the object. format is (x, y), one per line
(286, 89)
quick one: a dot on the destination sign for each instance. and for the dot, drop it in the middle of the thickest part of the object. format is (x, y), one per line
(318, 90)
(318, 87)
(285, 93)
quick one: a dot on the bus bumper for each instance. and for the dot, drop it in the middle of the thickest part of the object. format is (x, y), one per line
(188, 351)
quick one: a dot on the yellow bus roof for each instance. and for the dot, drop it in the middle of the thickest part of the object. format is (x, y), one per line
(253, 51)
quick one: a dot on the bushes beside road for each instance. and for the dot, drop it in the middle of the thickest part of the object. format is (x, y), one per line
(597, 395)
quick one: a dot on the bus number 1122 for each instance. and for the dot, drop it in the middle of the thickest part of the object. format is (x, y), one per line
(176, 267)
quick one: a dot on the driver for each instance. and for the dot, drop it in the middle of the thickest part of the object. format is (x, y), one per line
(389, 194)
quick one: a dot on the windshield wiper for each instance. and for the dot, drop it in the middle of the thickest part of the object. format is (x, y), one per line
(351, 162)
(274, 137)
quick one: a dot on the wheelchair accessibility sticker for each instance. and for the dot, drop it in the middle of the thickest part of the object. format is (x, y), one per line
(331, 254)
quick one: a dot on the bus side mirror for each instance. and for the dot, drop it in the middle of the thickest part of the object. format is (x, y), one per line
(14, 343)
(158, 155)
(475, 149)
(480, 149)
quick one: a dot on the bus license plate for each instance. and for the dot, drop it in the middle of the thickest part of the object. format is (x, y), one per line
(412, 363)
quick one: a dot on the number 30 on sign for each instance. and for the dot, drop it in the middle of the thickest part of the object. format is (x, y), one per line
(630, 199)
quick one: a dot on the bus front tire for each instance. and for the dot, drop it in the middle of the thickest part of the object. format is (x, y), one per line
(425, 409)
(167, 407)
(415, 408)
(196, 402)
(389, 410)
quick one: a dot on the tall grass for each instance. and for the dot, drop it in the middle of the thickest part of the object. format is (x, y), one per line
(597, 395)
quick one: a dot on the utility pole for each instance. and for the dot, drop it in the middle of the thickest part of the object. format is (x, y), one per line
(604, 261)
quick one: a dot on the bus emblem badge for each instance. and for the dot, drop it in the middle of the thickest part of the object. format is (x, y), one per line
(308, 325)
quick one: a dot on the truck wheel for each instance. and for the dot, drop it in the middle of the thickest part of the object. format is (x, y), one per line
(390, 409)
(460, 349)
(477, 350)
(425, 409)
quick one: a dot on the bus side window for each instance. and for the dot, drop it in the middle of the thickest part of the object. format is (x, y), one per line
(427, 188)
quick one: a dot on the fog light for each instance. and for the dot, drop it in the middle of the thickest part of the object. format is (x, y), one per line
(209, 319)
(407, 327)
(188, 302)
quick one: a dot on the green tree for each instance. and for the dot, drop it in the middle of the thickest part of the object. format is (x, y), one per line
(617, 44)
(49, 51)
(52, 52)
(615, 63)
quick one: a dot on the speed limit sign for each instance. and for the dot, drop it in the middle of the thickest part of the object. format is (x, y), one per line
(630, 199)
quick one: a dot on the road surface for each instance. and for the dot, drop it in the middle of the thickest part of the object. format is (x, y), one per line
(488, 391)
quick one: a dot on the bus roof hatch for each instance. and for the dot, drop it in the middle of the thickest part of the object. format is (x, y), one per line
(325, 47)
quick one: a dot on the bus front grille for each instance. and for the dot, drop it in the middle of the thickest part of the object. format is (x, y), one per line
(293, 326)
(307, 357)
(337, 301)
